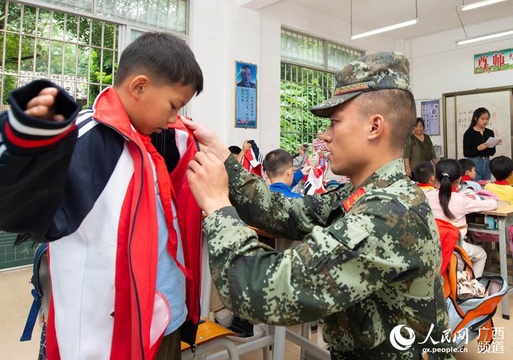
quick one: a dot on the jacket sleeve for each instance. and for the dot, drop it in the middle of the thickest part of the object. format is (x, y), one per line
(34, 158)
(273, 212)
(493, 150)
(332, 269)
(469, 146)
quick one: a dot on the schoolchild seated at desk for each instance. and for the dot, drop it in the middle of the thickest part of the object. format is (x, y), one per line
(451, 206)
(424, 175)
(278, 166)
(502, 170)
(468, 170)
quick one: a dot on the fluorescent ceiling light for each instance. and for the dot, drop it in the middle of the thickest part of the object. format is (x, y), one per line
(479, 4)
(384, 29)
(485, 37)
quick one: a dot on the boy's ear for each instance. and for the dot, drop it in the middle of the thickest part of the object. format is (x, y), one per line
(138, 85)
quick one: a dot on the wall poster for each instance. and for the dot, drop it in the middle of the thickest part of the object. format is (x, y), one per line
(430, 113)
(493, 61)
(245, 95)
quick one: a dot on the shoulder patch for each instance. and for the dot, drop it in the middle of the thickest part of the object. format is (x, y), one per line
(349, 202)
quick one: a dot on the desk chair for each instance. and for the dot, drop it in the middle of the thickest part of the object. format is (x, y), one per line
(212, 336)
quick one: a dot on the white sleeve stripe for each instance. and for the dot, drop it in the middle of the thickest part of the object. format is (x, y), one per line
(87, 127)
(24, 129)
(84, 116)
(2, 149)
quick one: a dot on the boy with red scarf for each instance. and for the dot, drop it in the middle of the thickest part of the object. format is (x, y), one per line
(502, 170)
(122, 226)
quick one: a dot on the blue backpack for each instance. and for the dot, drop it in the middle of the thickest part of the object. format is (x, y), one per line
(37, 293)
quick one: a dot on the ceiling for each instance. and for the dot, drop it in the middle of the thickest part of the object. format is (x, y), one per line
(435, 15)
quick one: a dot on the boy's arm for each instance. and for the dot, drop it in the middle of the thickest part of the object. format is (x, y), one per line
(37, 137)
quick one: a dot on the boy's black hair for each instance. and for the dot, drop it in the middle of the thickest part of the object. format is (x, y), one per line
(276, 162)
(501, 167)
(234, 149)
(164, 58)
(466, 165)
(423, 172)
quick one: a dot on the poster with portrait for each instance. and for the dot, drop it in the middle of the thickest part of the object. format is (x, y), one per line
(245, 95)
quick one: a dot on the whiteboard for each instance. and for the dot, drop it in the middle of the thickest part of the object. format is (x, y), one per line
(450, 130)
(459, 108)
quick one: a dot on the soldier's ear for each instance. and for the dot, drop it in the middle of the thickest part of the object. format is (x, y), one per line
(376, 126)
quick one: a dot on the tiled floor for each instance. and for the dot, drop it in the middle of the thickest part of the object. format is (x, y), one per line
(15, 301)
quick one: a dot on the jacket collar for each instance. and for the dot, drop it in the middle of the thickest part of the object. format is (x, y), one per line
(109, 110)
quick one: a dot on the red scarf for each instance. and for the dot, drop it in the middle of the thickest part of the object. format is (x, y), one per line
(466, 178)
(501, 182)
(166, 197)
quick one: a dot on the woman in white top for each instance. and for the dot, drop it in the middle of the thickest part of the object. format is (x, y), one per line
(451, 206)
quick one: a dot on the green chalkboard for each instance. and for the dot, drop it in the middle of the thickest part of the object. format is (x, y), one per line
(12, 256)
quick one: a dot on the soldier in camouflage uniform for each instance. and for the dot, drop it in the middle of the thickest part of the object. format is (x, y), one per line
(370, 255)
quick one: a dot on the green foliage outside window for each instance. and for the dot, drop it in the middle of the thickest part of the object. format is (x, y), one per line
(301, 89)
(308, 65)
(58, 45)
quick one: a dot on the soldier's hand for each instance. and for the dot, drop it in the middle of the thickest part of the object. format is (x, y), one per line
(208, 181)
(42, 105)
(208, 140)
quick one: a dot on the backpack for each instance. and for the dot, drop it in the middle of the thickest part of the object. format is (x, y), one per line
(37, 293)
(472, 317)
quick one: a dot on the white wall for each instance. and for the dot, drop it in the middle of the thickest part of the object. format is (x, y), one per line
(223, 32)
(440, 66)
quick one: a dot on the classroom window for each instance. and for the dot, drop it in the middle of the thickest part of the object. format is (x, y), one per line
(79, 49)
(307, 67)
(169, 15)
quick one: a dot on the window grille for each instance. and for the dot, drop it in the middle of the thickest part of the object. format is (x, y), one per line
(77, 53)
(307, 68)
(169, 15)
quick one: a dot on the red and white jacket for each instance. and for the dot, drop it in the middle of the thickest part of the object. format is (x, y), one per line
(86, 185)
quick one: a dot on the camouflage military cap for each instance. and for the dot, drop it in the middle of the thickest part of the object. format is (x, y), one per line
(384, 70)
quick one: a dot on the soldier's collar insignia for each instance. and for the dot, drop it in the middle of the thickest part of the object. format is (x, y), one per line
(349, 202)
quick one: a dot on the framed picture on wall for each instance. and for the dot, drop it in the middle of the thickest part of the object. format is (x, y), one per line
(430, 112)
(245, 95)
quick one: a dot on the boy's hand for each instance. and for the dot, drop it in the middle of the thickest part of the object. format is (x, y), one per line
(246, 146)
(208, 181)
(42, 105)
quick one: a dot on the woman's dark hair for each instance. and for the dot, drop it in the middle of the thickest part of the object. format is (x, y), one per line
(420, 120)
(477, 114)
(446, 172)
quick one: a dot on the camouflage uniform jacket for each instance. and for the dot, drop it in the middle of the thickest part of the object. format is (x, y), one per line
(369, 260)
